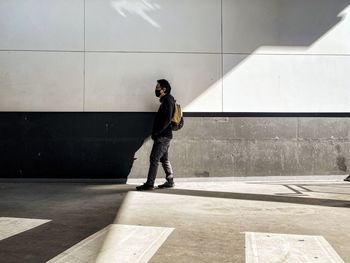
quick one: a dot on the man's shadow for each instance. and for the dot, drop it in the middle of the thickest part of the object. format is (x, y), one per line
(71, 145)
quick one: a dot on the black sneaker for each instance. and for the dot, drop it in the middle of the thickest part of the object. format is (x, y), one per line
(144, 187)
(167, 185)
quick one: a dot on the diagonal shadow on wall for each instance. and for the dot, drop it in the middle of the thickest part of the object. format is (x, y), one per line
(248, 27)
(273, 27)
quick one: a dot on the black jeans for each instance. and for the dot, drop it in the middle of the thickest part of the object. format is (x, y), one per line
(159, 154)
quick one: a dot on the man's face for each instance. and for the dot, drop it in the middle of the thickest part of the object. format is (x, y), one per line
(161, 91)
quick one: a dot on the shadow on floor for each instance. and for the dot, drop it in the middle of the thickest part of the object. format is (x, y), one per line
(258, 197)
(76, 211)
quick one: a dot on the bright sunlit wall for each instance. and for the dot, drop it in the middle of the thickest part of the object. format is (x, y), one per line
(220, 55)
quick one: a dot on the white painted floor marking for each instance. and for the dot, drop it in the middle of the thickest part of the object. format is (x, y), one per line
(117, 243)
(273, 248)
(10, 226)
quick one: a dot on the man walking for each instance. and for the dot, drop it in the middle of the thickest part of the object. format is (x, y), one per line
(161, 135)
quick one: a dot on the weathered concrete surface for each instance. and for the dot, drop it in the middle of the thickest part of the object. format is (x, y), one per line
(251, 146)
(209, 217)
(117, 145)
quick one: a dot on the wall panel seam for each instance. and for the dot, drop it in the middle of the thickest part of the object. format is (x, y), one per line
(173, 52)
(84, 65)
(287, 54)
(222, 59)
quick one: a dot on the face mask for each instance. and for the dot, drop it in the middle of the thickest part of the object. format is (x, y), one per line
(157, 93)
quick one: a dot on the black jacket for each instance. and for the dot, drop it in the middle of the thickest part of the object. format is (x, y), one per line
(162, 121)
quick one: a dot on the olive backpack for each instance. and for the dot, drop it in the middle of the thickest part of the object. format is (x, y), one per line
(177, 122)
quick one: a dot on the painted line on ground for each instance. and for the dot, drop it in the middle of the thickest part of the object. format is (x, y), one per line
(117, 243)
(273, 248)
(10, 226)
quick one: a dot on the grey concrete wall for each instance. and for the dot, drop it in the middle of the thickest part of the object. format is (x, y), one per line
(255, 146)
(117, 145)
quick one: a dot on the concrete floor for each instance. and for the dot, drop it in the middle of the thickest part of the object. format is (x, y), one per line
(206, 220)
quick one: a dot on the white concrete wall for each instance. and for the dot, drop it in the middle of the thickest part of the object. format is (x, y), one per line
(219, 55)
(286, 56)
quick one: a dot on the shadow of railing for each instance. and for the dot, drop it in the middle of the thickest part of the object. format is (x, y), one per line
(259, 197)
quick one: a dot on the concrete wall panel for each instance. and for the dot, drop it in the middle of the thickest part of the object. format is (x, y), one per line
(150, 25)
(220, 158)
(282, 83)
(126, 82)
(117, 145)
(253, 147)
(42, 25)
(240, 128)
(38, 81)
(283, 26)
(324, 129)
